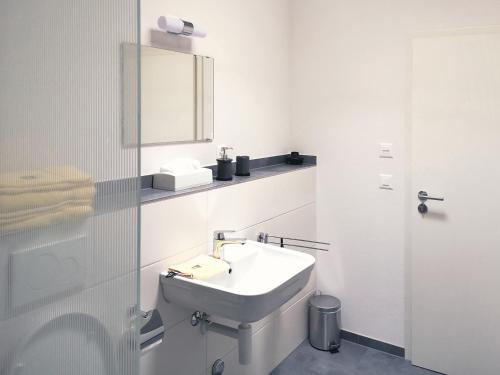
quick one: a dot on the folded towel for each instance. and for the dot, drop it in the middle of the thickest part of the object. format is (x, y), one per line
(48, 179)
(201, 267)
(34, 200)
(21, 215)
(66, 214)
(44, 197)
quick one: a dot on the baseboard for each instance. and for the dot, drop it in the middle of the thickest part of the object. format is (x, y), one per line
(372, 343)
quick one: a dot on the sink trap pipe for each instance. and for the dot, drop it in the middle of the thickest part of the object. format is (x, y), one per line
(243, 334)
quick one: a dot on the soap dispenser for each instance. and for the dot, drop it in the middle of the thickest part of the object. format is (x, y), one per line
(224, 165)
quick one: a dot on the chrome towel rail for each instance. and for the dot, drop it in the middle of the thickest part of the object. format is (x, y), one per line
(264, 238)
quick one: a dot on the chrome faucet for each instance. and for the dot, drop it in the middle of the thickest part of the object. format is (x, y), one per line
(220, 241)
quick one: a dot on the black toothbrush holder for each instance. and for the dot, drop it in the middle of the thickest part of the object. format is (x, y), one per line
(242, 166)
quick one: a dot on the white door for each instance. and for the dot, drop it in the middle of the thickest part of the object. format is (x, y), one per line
(455, 247)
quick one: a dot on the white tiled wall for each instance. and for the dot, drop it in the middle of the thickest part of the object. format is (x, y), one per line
(172, 226)
(178, 229)
(243, 205)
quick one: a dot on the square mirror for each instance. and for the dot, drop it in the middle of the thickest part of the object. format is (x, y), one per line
(177, 97)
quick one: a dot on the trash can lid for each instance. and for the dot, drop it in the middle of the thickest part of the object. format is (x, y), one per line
(323, 302)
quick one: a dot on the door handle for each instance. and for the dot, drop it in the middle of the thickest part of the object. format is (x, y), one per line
(424, 197)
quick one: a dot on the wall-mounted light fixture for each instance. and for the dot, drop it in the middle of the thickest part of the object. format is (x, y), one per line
(175, 25)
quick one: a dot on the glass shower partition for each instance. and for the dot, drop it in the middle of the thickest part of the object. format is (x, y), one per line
(69, 189)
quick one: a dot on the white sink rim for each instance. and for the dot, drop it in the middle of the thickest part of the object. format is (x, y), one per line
(308, 259)
(228, 303)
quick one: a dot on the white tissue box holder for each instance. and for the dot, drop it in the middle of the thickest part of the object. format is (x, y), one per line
(182, 180)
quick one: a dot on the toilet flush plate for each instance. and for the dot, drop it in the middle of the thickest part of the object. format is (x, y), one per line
(46, 271)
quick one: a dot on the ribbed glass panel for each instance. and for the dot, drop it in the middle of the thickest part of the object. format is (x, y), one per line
(69, 206)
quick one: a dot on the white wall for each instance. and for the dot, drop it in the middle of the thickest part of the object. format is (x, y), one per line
(350, 82)
(283, 204)
(249, 41)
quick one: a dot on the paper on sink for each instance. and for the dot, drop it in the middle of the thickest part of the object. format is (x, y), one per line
(201, 267)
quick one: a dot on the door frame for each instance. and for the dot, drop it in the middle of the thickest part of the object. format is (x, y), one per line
(408, 178)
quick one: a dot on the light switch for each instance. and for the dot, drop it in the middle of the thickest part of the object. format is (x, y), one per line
(386, 151)
(386, 182)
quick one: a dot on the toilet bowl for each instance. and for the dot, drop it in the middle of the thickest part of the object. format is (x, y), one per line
(72, 344)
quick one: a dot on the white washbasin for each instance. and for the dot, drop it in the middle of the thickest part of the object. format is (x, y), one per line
(263, 278)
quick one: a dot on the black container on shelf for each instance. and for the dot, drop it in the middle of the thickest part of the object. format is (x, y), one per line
(224, 169)
(242, 166)
(294, 158)
(224, 165)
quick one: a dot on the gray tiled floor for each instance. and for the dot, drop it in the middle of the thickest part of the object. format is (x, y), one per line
(353, 359)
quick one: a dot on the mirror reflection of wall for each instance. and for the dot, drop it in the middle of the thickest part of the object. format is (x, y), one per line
(176, 97)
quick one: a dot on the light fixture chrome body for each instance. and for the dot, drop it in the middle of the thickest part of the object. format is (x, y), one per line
(177, 26)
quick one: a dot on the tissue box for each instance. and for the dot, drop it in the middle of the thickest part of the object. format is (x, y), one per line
(183, 179)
